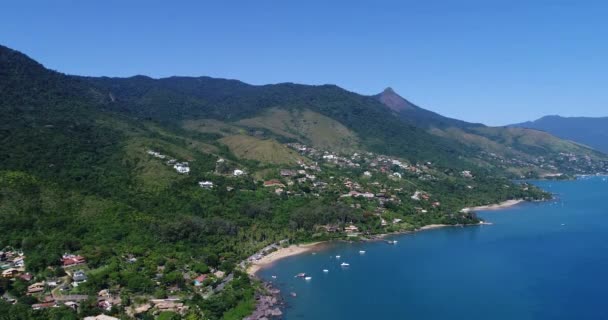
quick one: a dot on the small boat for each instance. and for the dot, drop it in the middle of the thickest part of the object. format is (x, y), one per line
(308, 278)
(337, 257)
(391, 242)
(344, 264)
(325, 270)
(362, 251)
(274, 277)
(293, 294)
(300, 275)
(314, 253)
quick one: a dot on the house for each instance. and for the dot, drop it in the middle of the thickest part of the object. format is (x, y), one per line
(101, 317)
(279, 191)
(19, 262)
(206, 184)
(181, 167)
(69, 260)
(238, 172)
(273, 183)
(72, 305)
(367, 174)
(351, 229)
(198, 281)
(26, 277)
(36, 288)
(79, 276)
(38, 306)
(219, 274)
(397, 175)
(396, 220)
(287, 173)
(10, 273)
(105, 305)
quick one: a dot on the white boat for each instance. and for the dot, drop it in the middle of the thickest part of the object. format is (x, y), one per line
(325, 270)
(337, 257)
(274, 277)
(362, 251)
(308, 278)
(344, 264)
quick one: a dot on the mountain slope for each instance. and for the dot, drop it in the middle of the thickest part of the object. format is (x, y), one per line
(520, 151)
(584, 130)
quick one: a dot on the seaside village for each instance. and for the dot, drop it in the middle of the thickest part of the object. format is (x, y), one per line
(359, 180)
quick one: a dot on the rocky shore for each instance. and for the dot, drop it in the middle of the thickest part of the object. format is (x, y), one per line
(268, 301)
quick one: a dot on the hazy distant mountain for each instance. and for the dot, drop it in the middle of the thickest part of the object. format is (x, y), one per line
(585, 130)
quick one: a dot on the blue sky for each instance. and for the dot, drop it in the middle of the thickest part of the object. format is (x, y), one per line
(495, 62)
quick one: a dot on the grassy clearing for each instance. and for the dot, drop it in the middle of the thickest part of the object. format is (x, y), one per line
(267, 151)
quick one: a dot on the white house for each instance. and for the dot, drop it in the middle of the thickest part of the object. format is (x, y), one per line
(367, 174)
(238, 172)
(206, 184)
(182, 167)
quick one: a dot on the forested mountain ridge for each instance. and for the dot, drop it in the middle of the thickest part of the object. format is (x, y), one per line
(589, 131)
(519, 151)
(158, 182)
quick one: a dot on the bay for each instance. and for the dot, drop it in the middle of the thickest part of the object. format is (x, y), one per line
(537, 261)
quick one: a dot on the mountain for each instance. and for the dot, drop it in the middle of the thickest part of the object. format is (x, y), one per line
(520, 151)
(592, 132)
(155, 182)
(415, 114)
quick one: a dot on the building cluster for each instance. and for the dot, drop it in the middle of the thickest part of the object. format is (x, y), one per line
(181, 167)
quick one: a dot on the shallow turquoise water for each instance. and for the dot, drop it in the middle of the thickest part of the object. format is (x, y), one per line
(538, 261)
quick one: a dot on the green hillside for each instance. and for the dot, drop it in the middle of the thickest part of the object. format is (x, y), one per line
(517, 151)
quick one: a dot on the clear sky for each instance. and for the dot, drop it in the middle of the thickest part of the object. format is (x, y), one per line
(495, 62)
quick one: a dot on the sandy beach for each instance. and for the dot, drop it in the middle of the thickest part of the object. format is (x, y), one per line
(502, 205)
(280, 254)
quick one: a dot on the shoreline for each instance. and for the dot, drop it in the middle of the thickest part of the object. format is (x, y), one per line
(497, 206)
(281, 253)
(296, 249)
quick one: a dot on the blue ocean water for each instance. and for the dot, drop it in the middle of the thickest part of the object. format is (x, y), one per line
(537, 261)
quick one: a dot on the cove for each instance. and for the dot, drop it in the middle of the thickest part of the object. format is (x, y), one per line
(537, 261)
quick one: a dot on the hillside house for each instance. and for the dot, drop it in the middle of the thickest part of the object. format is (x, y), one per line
(351, 229)
(79, 276)
(27, 277)
(36, 288)
(287, 173)
(10, 273)
(238, 172)
(273, 183)
(198, 281)
(206, 184)
(181, 167)
(69, 260)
